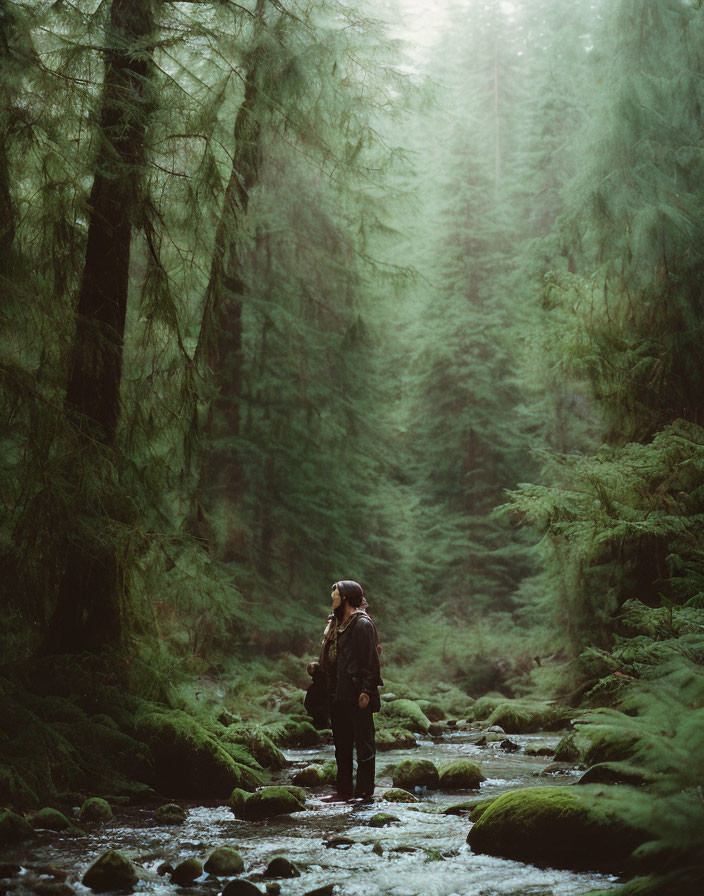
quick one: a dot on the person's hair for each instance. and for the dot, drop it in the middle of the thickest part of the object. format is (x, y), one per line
(351, 592)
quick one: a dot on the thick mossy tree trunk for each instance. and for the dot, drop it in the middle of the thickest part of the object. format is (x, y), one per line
(220, 343)
(90, 604)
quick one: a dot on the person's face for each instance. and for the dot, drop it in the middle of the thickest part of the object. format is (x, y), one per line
(336, 597)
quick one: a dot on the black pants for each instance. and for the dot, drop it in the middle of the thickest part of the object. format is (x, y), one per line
(353, 727)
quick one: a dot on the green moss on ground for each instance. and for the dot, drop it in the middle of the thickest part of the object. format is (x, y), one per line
(188, 760)
(561, 827)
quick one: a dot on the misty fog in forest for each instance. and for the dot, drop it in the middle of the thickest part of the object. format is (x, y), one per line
(404, 292)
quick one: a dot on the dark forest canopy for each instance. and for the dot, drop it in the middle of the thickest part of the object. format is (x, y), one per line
(286, 299)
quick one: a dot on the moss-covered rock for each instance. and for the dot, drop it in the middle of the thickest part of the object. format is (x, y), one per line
(557, 826)
(171, 813)
(437, 729)
(188, 760)
(224, 861)
(382, 820)
(517, 717)
(415, 773)
(310, 776)
(268, 802)
(432, 711)
(460, 775)
(484, 707)
(608, 745)
(398, 795)
(405, 714)
(14, 828)
(300, 734)
(259, 744)
(569, 749)
(394, 739)
(328, 772)
(617, 773)
(539, 750)
(186, 872)
(95, 809)
(280, 866)
(48, 819)
(241, 887)
(112, 871)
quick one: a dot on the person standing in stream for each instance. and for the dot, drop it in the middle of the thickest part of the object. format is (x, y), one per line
(349, 660)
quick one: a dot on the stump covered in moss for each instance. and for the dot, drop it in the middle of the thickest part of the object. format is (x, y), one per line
(555, 826)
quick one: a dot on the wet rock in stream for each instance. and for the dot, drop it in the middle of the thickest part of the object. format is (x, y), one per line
(112, 871)
(224, 861)
(186, 872)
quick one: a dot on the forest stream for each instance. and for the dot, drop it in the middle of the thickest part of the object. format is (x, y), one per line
(423, 852)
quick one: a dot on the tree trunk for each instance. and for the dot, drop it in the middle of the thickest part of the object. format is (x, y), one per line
(220, 342)
(90, 605)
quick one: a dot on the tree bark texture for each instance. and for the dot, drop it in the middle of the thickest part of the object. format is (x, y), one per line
(90, 604)
(220, 343)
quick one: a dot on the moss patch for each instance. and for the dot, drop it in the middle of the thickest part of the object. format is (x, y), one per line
(523, 718)
(394, 739)
(406, 714)
(461, 775)
(415, 773)
(267, 802)
(559, 827)
(188, 760)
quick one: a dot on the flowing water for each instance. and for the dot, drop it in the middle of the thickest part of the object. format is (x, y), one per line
(423, 854)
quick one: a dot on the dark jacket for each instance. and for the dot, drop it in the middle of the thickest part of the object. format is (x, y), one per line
(358, 668)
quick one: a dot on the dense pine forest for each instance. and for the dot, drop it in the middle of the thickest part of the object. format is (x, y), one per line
(405, 293)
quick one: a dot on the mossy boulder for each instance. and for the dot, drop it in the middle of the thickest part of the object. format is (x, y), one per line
(224, 861)
(171, 813)
(310, 776)
(112, 871)
(539, 750)
(482, 708)
(382, 820)
(406, 714)
(394, 739)
(617, 773)
(267, 802)
(460, 775)
(398, 795)
(415, 773)
(433, 711)
(517, 717)
(51, 820)
(609, 745)
(300, 734)
(188, 760)
(560, 827)
(259, 744)
(241, 887)
(14, 828)
(95, 809)
(280, 866)
(186, 872)
(570, 748)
